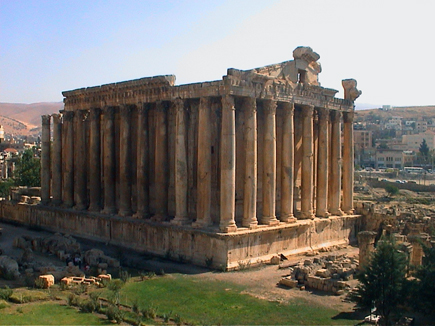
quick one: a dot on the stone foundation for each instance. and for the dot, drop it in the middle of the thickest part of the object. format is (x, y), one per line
(203, 247)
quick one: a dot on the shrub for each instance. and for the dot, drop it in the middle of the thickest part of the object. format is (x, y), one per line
(114, 313)
(3, 304)
(391, 190)
(88, 305)
(124, 275)
(6, 293)
(150, 312)
(39, 283)
(72, 299)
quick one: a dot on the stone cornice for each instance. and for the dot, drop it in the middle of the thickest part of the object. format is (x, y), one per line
(161, 88)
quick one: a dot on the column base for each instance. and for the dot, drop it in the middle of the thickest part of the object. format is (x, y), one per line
(337, 212)
(251, 224)
(141, 215)
(228, 228)
(79, 207)
(56, 202)
(67, 205)
(180, 220)
(125, 212)
(109, 210)
(323, 214)
(269, 220)
(307, 215)
(94, 208)
(158, 217)
(288, 218)
(348, 211)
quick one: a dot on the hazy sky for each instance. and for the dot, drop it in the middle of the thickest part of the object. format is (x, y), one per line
(47, 46)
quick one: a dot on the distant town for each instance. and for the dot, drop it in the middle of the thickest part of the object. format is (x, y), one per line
(387, 139)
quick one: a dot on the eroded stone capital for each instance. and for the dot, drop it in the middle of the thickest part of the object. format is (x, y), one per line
(46, 119)
(228, 102)
(109, 112)
(335, 116)
(348, 116)
(94, 113)
(324, 114)
(57, 118)
(307, 110)
(288, 108)
(270, 106)
(68, 116)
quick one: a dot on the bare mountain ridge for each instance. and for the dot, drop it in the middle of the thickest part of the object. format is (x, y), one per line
(407, 112)
(22, 119)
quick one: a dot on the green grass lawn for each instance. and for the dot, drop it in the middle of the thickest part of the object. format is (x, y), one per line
(213, 302)
(47, 313)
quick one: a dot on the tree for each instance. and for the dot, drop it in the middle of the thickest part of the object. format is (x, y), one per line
(423, 287)
(424, 149)
(27, 171)
(391, 190)
(383, 282)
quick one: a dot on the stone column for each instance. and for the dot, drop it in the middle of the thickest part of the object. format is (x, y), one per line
(125, 161)
(228, 166)
(348, 162)
(180, 165)
(56, 161)
(161, 162)
(250, 187)
(45, 160)
(95, 160)
(68, 159)
(335, 182)
(287, 163)
(269, 164)
(109, 160)
(80, 161)
(307, 163)
(203, 207)
(142, 163)
(366, 244)
(322, 164)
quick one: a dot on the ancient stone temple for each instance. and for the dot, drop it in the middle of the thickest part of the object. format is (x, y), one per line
(218, 173)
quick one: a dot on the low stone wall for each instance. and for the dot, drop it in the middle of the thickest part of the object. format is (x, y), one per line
(200, 247)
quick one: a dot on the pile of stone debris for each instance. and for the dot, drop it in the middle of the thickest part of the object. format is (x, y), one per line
(328, 273)
(64, 247)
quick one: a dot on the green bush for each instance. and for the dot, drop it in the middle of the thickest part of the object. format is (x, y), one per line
(88, 305)
(6, 293)
(114, 313)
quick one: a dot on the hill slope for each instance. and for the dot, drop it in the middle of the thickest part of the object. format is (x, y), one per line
(20, 119)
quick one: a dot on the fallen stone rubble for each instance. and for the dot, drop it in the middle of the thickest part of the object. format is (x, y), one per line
(329, 273)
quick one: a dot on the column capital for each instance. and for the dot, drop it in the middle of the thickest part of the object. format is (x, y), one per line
(46, 119)
(307, 110)
(125, 109)
(228, 102)
(323, 113)
(56, 117)
(178, 104)
(335, 116)
(94, 113)
(288, 108)
(109, 112)
(348, 116)
(142, 108)
(68, 116)
(160, 106)
(270, 106)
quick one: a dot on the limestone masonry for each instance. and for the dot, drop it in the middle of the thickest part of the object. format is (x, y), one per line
(219, 173)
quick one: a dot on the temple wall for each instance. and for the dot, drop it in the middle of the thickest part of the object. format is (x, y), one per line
(226, 250)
